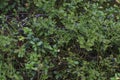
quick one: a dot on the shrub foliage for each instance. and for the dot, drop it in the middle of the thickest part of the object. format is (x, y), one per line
(59, 40)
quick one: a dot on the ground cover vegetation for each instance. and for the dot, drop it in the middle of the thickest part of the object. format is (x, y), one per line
(59, 40)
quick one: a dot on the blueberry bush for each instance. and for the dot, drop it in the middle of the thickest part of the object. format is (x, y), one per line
(59, 40)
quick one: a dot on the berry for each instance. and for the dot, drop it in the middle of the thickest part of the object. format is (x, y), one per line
(21, 31)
